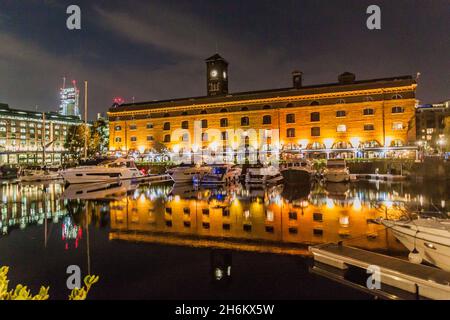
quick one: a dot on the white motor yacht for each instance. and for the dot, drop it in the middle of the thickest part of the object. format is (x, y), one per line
(107, 171)
(219, 175)
(337, 171)
(186, 173)
(263, 176)
(430, 237)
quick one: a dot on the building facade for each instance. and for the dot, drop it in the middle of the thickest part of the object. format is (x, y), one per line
(23, 134)
(69, 100)
(349, 118)
(430, 119)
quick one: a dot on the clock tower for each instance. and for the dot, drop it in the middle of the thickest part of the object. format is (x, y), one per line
(217, 75)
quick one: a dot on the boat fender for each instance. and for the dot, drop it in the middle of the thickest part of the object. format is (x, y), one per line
(415, 257)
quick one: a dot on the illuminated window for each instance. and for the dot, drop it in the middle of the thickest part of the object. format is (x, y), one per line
(117, 128)
(341, 128)
(245, 121)
(397, 143)
(290, 118)
(267, 120)
(397, 126)
(315, 117)
(204, 136)
(368, 112)
(185, 137)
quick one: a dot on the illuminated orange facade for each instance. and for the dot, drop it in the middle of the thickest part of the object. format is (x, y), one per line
(349, 115)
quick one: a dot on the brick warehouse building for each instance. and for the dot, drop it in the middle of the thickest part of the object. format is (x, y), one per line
(363, 118)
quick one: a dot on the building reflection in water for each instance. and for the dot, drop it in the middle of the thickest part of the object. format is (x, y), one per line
(273, 220)
(277, 220)
(30, 204)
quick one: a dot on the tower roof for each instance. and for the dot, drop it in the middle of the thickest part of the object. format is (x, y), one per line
(216, 57)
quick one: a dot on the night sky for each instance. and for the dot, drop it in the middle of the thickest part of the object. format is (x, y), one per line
(156, 49)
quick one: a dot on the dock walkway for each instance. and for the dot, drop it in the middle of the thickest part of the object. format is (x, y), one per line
(419, 280)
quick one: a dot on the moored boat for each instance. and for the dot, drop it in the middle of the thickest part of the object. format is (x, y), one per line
(219, 175)
(186, 173)
(263, 176)
(38, 175)
(427, 239)
(110, 170)
(297, 172)
(336, 171)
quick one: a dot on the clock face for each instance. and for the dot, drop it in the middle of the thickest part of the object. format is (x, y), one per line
(224, 75)
(214, 73)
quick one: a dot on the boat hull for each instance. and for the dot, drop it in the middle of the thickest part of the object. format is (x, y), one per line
(296, 176)
(434, 249)
(337, 177)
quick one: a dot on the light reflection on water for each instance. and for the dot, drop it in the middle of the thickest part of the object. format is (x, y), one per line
(278, 220)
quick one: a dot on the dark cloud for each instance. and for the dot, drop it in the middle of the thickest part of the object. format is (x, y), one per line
(156, 50)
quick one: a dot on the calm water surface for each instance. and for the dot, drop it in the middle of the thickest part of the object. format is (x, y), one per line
(180, 242)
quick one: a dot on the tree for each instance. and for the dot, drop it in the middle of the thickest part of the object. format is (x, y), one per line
(74, 143)
(99, 141)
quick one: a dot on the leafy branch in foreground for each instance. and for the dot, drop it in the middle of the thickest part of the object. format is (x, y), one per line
(22, 292)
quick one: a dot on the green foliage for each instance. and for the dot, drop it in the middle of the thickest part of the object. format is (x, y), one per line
(74, 143)
(319, 165)
(22, 293)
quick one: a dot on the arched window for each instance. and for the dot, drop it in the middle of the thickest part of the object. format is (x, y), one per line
(223, 110)
(397, 97)
(314, 103)
(398, 110)
(368, 99)
(118, 128)
(371, 144)
(368, 112)
(244, 109)
(340, 101)
(397, 143)
(267, 120)
(245, 121)
(224, 122)
(316, 146)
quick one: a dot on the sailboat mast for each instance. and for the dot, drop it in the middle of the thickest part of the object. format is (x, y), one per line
(85, 118)
(43, 138)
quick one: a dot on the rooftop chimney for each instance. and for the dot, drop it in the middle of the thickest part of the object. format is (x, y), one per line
(346, 78)
(297, 79)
